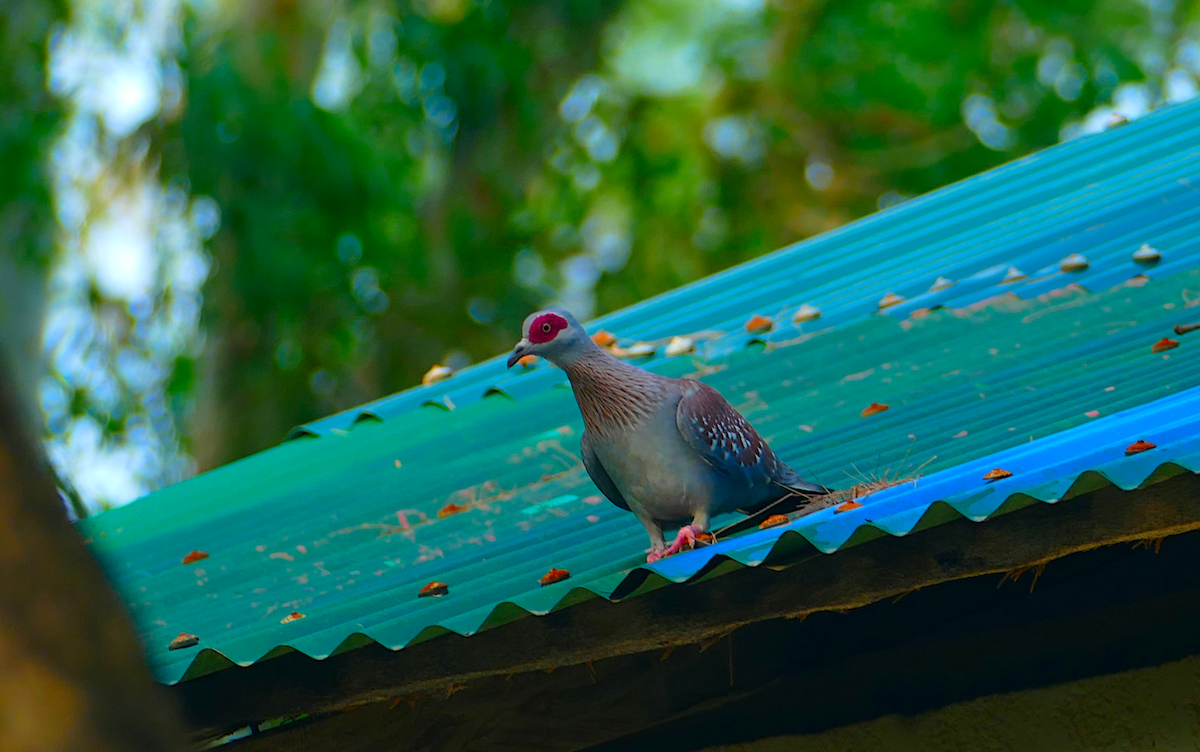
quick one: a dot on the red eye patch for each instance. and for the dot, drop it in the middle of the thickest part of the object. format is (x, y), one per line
(546, 327)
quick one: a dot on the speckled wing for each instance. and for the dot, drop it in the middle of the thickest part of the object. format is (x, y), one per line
(724, 438)
(598, 474)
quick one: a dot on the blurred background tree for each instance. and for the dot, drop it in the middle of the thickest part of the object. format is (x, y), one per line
(272, 211)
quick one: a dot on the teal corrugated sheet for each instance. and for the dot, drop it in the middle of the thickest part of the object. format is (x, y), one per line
(1050, 376)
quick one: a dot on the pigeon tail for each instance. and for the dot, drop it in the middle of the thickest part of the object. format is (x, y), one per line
(791, 480)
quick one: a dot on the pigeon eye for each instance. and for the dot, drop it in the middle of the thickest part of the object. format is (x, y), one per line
(546, 328)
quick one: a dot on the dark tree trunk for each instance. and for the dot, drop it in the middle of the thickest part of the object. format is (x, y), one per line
(72, 674)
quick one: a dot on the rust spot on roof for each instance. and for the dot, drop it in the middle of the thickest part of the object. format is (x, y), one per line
(553, 576)
(1139, 446)
(194, 557)
(774, 520)
(759, 324)
(293, 616)
(874, 408)
(1163, 345)
(184, 640)
(997, 474)
(434, 589)
(847, 506)
(603, 338)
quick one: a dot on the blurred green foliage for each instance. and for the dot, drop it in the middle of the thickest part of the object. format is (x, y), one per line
(466, 161)
(401, 181)
(29, 119)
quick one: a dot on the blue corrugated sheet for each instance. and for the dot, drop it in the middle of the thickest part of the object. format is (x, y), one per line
(1049, 376)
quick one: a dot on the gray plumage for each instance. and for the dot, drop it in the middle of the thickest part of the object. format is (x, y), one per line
(668, 450)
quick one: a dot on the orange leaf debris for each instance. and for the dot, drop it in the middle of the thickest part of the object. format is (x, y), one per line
(293, 616)
(553, 576)
(194, 557)
(847, 506)
(1139, 446)
(1163, 345)
(874, 408)
(528, 361)
(773, 521)
(434, 589)
(759, 324)
(184, 640)
(997, 474)
(451, 509)
(603, 338)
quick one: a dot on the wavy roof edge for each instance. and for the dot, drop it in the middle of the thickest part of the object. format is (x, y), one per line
(1090, 457)
(1147, 132)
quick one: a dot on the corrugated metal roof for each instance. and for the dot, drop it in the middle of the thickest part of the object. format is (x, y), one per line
(1050, 377)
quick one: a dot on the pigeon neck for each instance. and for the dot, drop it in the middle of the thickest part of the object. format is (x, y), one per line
(611, 393)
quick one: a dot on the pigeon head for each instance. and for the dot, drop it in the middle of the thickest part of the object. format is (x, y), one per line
(553, 334)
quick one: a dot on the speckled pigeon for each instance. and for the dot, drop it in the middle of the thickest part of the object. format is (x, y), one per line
(668, 450)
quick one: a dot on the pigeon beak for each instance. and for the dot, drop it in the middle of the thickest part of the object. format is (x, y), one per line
(518, 352)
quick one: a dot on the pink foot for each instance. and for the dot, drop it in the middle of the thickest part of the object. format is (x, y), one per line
(687, 536)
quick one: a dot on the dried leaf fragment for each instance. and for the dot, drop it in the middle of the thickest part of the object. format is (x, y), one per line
(774, 520)
(293, 616)
(941, 283)
(847, 506)
(1163, 345)
(997, 474)
(889, 300)
(1147, 254)
(806, 312)
(553, 576)
(435, 374)
(759, 324)
(184, 640)
(194, 557)
(679, 346)
(874, 408)
(528, 361)
(1012, 275)
(1182, 329)
(434, 589)
(1139, 446)
(636, 350)
(451, 509)
(603, 338)
(1075, 262)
